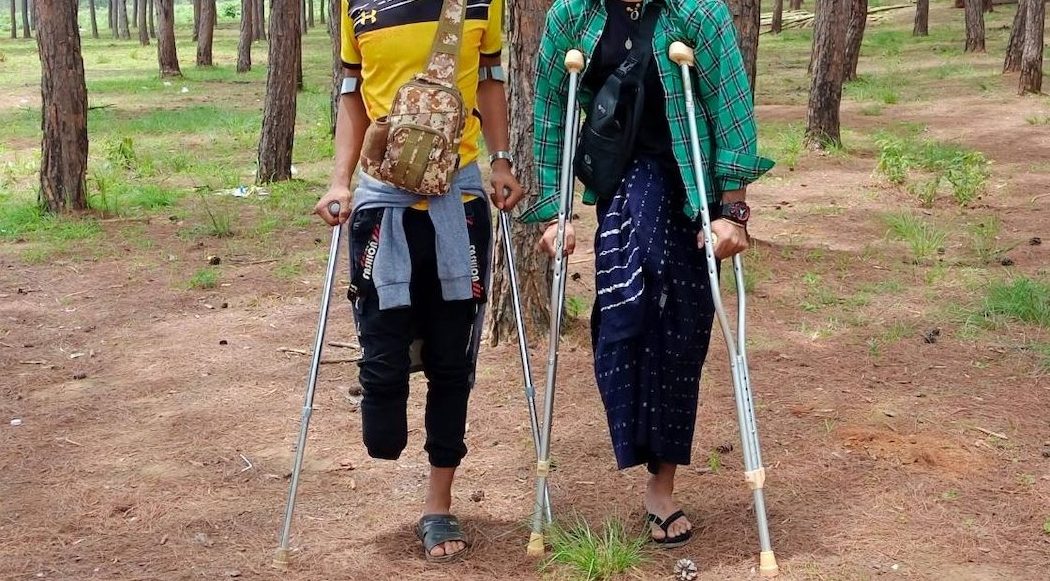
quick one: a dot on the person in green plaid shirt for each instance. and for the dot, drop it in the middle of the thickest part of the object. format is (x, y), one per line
(651, 322)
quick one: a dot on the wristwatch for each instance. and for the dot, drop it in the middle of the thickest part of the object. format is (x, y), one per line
(738, 212)
(501, 155)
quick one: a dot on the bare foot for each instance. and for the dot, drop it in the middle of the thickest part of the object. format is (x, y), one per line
(439, 501)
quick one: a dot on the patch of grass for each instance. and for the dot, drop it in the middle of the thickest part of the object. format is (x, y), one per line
(714, 461)
(575, 306)
(984, 238)
(872, 110)
(595, 555)
(924, 239)
(204, 278)
(950, 495)
(220, 221)
(879, 88)
(1042, 354)
(1046, 526)
(1022, 299)
(883, 287)
(783, 143)
(289, 270)
(28, 221)
(818, 295)
(963, 170)
(1038, 119)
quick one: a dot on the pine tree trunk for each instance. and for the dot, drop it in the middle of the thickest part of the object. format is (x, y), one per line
(167, 56)
(778, 17)
(134, 13)
(114, 20)
(922, 18)
(206, 33)
(1012, 62)
(94, 18)
(302, 17)
(1032, 56)
(825, 95)
(196, 19)
(974, 26)
(26, 33)
(334, 32)
(111, 13)
(747, 15)
(310, 13)
(33, 15)
(796, 4)
(988, 6)
(151, 11)
(526, 20)
(122, 20)
(244, 44)
(278, 128)
(64, 147)
(140, 18)
(14, 19)
(858, 18)
(259, 24)
(320, 10)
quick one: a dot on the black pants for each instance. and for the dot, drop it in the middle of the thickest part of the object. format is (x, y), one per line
(445, 328)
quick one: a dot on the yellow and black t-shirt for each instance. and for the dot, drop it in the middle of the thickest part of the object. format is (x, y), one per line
(390, 41)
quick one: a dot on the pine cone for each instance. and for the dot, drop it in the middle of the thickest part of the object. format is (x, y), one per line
(685, 570)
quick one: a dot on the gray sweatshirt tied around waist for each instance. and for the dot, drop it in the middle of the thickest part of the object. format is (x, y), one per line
(392, 270)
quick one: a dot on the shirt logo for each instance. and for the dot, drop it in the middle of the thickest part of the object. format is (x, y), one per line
(365, 17)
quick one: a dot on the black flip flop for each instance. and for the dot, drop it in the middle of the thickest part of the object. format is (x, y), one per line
(669, 542)
(434, 529)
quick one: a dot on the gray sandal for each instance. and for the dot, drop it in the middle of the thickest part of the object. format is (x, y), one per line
(435, 529)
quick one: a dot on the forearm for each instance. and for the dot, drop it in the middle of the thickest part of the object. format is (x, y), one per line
(351, 123)
(492, 102)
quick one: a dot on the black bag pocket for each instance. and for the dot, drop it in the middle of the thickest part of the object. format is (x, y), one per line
(601, 160)
(364, 244)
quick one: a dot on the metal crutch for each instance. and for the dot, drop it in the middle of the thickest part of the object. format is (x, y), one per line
(755, 473)
(523, 347)
(282, 558)
(574, 62)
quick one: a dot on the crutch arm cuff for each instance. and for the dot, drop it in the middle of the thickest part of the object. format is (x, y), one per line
(756, 479)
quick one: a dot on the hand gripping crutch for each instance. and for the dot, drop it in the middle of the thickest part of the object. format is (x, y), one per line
(574, 64)
(523, 347)
(755, 473)
(282, 558)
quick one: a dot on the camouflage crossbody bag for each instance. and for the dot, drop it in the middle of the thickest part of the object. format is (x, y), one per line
(416, 146)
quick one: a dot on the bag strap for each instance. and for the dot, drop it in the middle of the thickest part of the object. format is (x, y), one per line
(444, 54)
(641, 52)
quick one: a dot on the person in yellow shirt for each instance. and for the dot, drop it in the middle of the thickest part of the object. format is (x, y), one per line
(408, 259)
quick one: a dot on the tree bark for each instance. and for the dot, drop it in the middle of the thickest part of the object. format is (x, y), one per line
(922, 18)
(14, 19)
(1032, 56)
(64, 147)
(196, 19)
(525, 20)
(111, 15)
(259, 24)
(151, 11)
(858, 18)
(320, 10)
(796, 4)
(747, 15)
(974, 26)
(26, 33)
(278, 127)
(135, 12)
(1012, 62)
(334, 31)
(310, 13)
(244, 44)
(140, 17)
(206, 33)
(302, 17)
(825, 94)
(988, 6)
(167, 57)
(122, 20)
(778, 17)
(94, 18)
(33, 15)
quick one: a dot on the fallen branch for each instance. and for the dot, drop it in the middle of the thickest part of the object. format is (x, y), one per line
(991, 433)
(144, 219)
(343, 360)
(344, 345)
(295, 351)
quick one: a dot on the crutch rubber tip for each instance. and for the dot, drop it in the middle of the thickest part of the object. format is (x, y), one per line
(767, 564)
(681, 54)
(282, 559)
(574, 61)
(535, 548)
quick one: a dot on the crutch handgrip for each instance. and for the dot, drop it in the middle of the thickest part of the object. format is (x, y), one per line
(574, 61)
(681, 54)
(333, 208)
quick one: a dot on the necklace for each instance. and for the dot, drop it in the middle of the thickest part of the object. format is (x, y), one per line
(634, 9)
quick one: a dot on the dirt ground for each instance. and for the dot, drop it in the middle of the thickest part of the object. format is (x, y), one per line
(158, 422)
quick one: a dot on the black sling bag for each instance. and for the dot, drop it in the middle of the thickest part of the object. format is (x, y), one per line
(608, 134)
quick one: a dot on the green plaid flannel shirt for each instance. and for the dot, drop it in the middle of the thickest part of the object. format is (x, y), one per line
(726, 123)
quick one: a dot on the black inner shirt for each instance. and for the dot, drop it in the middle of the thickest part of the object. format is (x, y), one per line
(654, 133)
